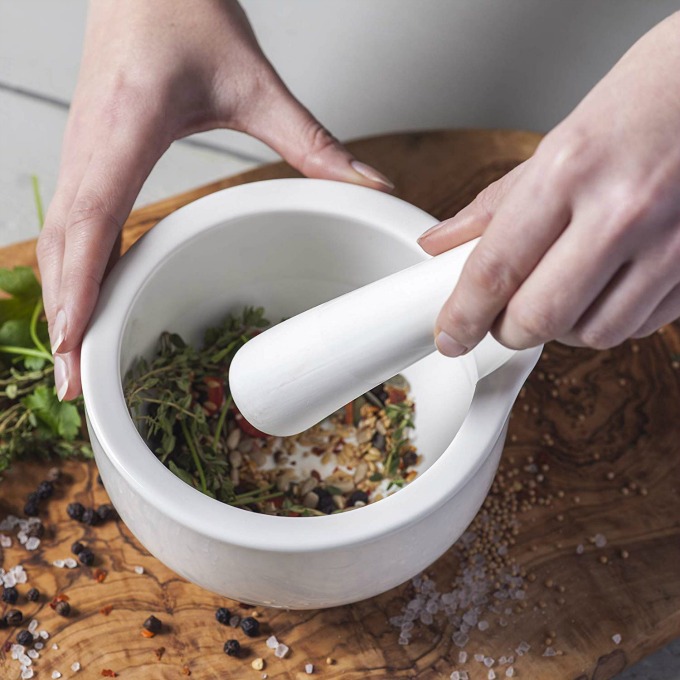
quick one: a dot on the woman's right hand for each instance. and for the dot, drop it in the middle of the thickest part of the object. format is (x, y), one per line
(153, 72)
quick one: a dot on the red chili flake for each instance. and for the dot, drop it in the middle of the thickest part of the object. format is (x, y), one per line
(59, 598)
(186, 670)
(395, 395)
(106, 610)
(7, 646)
(108, 673)
(246, 427)
(215, 392)
(100, 575)
(159, 652)
(147, 633)
(349, 413)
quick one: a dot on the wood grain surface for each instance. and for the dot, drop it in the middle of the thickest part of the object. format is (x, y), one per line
(600, 427)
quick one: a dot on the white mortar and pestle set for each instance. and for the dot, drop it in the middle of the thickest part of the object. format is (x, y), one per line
(341, 264)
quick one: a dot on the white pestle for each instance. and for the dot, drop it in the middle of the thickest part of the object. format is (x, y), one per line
(300, 371)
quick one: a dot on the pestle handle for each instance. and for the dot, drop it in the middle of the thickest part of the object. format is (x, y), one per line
(305, 368)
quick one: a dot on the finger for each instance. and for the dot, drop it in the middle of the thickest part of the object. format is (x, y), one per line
(284, 124)
(75, 157)
(67, 375)
(525, 226)
(570, 277)
(104, 199)
(623, 306)
(473, 219)
(667, 311)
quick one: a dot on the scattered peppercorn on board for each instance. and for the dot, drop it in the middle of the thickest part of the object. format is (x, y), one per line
(586, 504)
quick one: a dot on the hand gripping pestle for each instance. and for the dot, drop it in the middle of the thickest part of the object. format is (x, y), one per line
(300, 371)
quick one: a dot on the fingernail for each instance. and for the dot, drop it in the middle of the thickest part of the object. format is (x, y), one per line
(448, 346)
(58, 331)
(371, 173)
(60, 377)
(430, 231)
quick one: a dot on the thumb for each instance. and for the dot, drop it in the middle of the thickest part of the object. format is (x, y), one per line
(284, 124)
(473, 219)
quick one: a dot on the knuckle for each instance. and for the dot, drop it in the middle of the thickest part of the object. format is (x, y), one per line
(49, 244)
(602, 336)
(495, 275)
(456, 321)
(317, 141)
(536, 323)
(565, 155)
(88, 212)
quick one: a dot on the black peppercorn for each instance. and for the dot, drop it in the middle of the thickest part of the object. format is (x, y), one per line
(63, 608)
(105, 512)
(409, 458)
(250, 626)
(33, 595)
(75, 511)
(153, 625)
(10, 595)
(325, 503)
(14, 617)
(232, 647)
(222, 615)
(45, 490)
(378, 441)
(86, 557)
(77, 548)
(31, 509)
(358, 496)
(24, 638)
(90, 517)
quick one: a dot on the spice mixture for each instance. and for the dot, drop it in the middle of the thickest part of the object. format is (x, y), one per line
(181, 403)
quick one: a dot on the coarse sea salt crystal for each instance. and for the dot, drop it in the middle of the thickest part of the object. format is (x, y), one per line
(75, 666)
(56, 675)
(580, 549)
(25, 660)
(488, 661)
(5, 541)
(60, 565)
(479, 657)
(549, 651)
(309, 668)
(600, 540)
(455, 675)
(55, 646)
(38, 645)
(139, 570)
(70, 563)
(491, 675)
(44, 635)
(9, 580)
(616, 639)
(509, 672)
(272, 642)
(462, 657)
(33, 654)
(281, 651)
(27, 674)
(33, 543)
(33, 626)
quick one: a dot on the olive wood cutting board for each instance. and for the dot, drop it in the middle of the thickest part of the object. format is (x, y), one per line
(604, 423)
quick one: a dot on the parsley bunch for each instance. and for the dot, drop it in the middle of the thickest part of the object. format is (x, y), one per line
(32, 419)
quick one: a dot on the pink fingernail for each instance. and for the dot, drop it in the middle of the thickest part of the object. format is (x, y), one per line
(430, 231)
(60, 377)
(371, 173)
(58, 331)
(448, 346)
